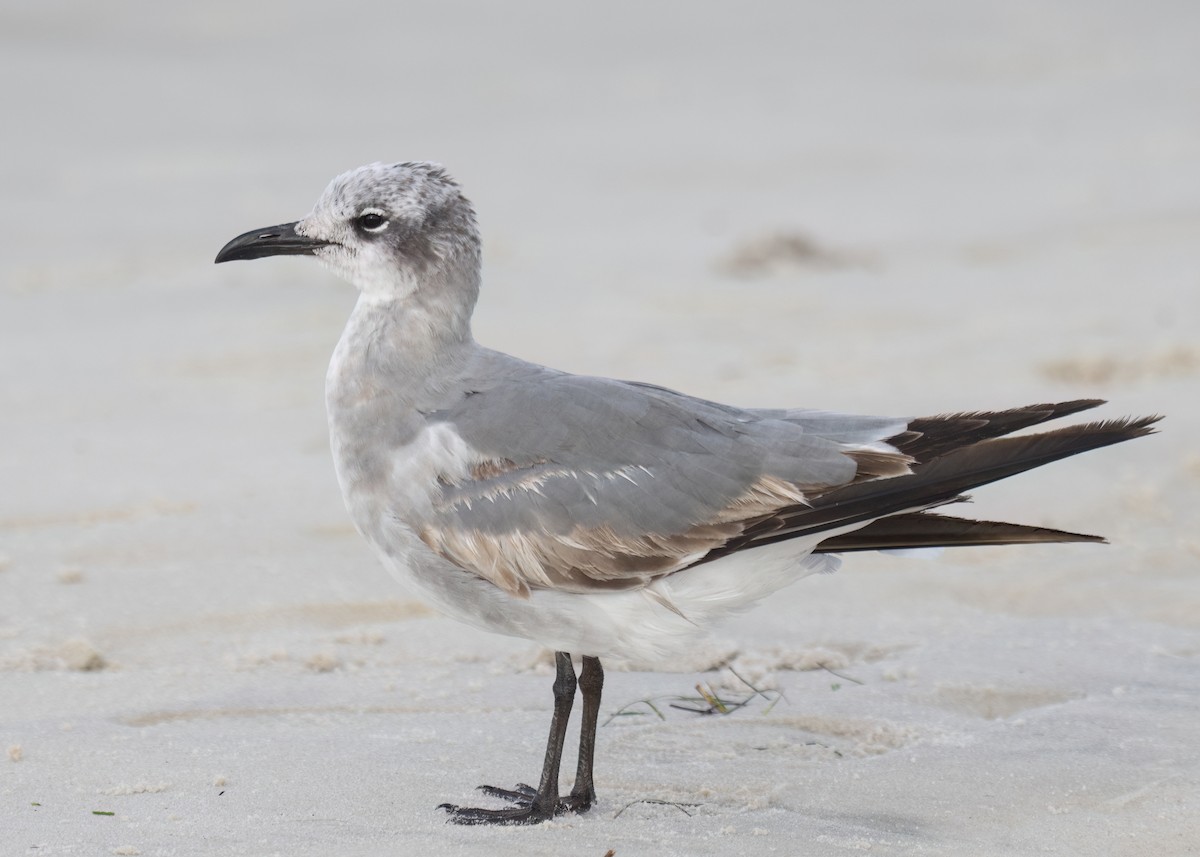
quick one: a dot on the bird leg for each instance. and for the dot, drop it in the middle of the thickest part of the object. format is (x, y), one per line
(591, 684)
(530, 805)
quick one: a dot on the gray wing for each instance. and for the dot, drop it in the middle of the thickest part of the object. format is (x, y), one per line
(583, 483)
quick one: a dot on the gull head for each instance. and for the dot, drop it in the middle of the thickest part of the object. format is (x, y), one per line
(398, 232)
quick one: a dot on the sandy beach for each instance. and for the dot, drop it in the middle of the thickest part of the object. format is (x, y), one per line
(881, 208)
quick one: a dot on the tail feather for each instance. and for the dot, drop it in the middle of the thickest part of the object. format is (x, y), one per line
(924, 530)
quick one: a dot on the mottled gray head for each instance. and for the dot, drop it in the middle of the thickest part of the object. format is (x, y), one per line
(398, 232)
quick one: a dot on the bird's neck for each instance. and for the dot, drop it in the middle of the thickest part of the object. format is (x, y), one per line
(402, 354)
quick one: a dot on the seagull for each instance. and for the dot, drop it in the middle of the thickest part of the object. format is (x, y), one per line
(603, 518)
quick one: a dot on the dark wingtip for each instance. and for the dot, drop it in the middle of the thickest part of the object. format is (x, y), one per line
(927, 438)
(1119, 429)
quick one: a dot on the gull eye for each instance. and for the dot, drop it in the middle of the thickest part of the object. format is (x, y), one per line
(372, 220)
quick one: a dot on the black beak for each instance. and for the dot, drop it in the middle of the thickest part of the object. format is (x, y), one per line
(279, 240)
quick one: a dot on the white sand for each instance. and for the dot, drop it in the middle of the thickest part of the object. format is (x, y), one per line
(891, 208)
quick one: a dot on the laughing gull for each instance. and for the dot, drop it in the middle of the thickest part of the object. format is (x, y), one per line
(599, 517)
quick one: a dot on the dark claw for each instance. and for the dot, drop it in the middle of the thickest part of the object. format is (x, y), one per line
(530, 813)
(525, 809)
(521, 793)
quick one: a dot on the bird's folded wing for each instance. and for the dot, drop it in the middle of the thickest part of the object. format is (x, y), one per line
(583, 484)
